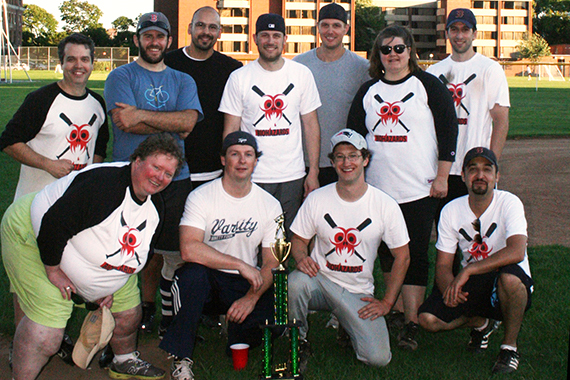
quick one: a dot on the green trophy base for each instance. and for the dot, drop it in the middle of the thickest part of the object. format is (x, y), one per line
(284, 371)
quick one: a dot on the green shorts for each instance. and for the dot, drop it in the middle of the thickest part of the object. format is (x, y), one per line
(40, 300)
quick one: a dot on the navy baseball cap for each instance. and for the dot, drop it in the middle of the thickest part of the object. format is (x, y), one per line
(463, 15)
(153, 21)
(480, 152)
(270, 21)
(333, 10)
(239, 138)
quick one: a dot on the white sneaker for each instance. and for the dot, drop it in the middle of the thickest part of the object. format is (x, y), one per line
(182, 369)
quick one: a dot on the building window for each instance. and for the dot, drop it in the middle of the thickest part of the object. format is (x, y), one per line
(304, 14)
(234, 12)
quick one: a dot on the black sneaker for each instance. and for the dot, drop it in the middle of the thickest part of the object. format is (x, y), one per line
(395, 321)
(507, 361)
(135, 368)
(407, 337)
(305, 353)
(66, 350)
(147, 321)
(480, 339)
(106, 357)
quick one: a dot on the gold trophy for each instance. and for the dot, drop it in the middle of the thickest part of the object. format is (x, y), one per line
(290, 369)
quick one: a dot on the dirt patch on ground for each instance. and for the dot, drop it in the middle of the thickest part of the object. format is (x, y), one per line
(536, 170)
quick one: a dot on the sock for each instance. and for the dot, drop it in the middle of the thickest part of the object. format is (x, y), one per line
(508, 347)
(124, 357)
(484, 326)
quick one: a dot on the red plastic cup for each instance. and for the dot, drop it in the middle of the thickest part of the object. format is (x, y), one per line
(240, 353)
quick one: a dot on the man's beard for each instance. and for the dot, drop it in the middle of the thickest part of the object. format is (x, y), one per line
(148, 59)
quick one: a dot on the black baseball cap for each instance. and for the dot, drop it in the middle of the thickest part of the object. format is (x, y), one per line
(480, 152)
(153, 21)
(239, 138)
(463, 15)
(270, 21)
(333, 10)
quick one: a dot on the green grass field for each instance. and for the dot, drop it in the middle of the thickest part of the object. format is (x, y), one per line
(543, 341)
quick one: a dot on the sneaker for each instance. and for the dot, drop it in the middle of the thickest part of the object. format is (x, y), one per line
(147, 321)
(106, 357)
(66, 350)
(181, 369)
(407, 337)
(480, 339)
(305, 353)
(507, 361)
(395, 321)
(135, 368)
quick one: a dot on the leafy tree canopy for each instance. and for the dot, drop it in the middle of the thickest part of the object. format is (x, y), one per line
(533, 47)
(552, 21)
(368, 20)
(38, 25)
(123, 23)
(80, 15)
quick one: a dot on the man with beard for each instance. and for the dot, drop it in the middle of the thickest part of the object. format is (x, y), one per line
(330, 63)
(210, 69)
(480, 92)
(488, 226)
(276, 100)
(147, 97)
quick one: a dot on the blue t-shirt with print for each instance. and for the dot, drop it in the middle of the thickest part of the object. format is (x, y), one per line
(163, 91)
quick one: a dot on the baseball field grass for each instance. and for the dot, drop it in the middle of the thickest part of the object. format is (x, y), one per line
(544, 337)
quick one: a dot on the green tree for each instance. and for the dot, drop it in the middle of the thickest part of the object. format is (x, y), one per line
(80, 15)
(123, 23)
(368, 20)
(38, 26)
(533, 47)
(552, 20)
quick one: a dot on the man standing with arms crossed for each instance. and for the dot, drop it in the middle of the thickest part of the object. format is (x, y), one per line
(339, 73)
(210, 69)
(480, 92)
(147, 97)
(276, 100)
(489, 228)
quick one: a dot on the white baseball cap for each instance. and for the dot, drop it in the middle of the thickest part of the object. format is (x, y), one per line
(350, 136)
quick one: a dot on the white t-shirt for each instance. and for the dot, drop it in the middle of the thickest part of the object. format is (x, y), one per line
(503, 218)
(233, 226)
(476, 86)
(348, 234)
(270, 104)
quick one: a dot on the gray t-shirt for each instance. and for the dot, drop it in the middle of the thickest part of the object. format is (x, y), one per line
(337, 83)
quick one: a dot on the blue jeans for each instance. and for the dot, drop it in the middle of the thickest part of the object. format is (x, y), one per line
(370, 339)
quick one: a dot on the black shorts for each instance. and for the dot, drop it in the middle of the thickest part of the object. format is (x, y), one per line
(483, 300)
(174, 200)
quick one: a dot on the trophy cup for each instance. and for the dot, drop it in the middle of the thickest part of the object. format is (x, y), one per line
(290, 369)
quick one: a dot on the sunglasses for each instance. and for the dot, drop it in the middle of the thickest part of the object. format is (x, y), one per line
(78, 300)
(147, 24)
(398, 49)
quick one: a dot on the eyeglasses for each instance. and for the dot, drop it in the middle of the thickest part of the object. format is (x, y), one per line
(477, 227)
(160, 24)
(211, 27)
(399, 49)
(78, 300)
(353, 157)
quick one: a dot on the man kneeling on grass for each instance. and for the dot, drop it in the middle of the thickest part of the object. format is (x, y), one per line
(349, 220)
(494, 284)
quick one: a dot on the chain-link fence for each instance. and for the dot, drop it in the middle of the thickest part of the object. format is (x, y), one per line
(46, 58)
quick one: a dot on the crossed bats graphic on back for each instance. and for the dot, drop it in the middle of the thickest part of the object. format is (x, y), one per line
(346, 240)
(273, 104)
